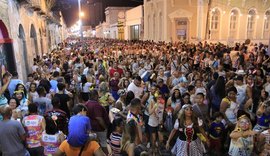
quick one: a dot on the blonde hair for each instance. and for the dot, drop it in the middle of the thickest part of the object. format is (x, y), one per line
(238, 128)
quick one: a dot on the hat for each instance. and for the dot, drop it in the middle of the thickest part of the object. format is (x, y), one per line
(239, 77)
(240, 72)
(183, 79)
(186, 106)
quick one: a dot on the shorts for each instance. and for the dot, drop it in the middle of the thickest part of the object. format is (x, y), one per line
(102, 138)
(153, 129)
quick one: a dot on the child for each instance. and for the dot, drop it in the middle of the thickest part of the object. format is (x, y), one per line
(201, 109)
(215, 133)
(242, 138)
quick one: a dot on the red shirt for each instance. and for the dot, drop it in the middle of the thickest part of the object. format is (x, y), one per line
(113, 70)
(96, 110)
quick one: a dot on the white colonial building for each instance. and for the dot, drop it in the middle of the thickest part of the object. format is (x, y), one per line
(213, 20)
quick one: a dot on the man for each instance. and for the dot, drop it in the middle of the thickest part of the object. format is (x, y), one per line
(54, 82)
(135, 87)
(43, 103)
(99, 118)
(133, 114)
(116, 69)
(34, 125)
(12, 135)
(13, 83)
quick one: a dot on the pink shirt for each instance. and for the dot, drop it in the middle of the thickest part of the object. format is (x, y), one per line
(50, 143)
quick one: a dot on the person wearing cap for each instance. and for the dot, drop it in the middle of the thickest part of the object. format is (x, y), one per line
(188, 143)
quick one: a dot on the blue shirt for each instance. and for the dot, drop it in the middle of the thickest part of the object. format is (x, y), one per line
(216, 129)
(54, 85)
(78, 128)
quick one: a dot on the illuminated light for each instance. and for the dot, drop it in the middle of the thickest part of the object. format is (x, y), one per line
(232, 14)
(257, 16)
(265, 17)
(81, 14)
(249, 16)
(224, 12)
(241, 14)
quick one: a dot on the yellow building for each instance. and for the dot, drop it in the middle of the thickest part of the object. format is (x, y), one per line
(225, 21)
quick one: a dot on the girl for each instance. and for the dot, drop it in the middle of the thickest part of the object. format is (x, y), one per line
(242, 138)
(32, 94)
(52, 137)
(188, 143)
(175, 101)
(115, 138)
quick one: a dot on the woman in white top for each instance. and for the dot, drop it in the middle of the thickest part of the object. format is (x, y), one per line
(85, 88)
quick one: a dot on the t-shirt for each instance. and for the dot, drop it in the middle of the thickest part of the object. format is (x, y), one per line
(216, 129)
(115, 143)
(64, 98)
(136, 90)
(96, 110)
(89, 150)
(10, 142)
(62, 119)
(33, 125)
(43, 104)
(78, 129)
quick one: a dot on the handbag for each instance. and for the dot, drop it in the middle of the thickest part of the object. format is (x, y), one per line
(82, 148)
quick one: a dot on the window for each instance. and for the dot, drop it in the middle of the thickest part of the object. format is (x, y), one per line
(266, 20)
(251, 24)
(215, 19)
(266, 29)
(233, 20)
(251, 20)
(135, 32)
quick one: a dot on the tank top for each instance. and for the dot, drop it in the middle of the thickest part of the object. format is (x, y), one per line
(50, 143)
(154, 118)
(33, 125)
(231, 112)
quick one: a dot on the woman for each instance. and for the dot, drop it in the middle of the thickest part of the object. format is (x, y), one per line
(156, 110)
(13, 104)
(113, 84)
(175, 101)
(21, 87)
(128, 139)
(105, 99)
(23, 107)
(242, 138)
(52, 137)
(229, 107)
(115, 138)
(32, 93)
(85, 88)
(188, 143)
(217, 93)
(263, 117)
(185, 99)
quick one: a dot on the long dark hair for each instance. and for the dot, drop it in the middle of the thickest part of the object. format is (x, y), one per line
(220, 87)
(24, 89)
(173, 95)
(129, 97)
(83, 80)
(51, 126)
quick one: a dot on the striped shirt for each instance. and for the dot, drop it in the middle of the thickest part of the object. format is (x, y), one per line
(115, 143)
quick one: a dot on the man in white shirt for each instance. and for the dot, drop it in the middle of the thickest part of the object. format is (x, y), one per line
(135, 87)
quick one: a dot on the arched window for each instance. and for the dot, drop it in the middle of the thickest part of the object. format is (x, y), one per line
(215, 19)
(234, 16)
(215, 24)
(233, 20)
(251, 23)
(266, 24)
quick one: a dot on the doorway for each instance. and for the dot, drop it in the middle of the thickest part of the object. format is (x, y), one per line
(181, 26)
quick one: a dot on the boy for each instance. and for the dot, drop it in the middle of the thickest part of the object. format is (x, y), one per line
(215, 133)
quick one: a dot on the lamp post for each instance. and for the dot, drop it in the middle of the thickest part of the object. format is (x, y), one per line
(80, 15)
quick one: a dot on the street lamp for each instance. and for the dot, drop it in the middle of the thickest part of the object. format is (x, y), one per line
(81, 14)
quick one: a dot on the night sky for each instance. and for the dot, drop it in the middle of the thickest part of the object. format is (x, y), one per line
(69, 8)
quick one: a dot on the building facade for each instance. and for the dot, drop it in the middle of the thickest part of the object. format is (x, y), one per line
(212, 20)
(32, 30)
(134, 23)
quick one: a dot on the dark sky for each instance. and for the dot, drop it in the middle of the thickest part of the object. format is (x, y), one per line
(69, 8)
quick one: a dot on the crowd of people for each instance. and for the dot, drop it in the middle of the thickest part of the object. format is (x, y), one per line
(112, 97)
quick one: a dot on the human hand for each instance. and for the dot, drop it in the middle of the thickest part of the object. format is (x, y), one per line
(167, 145)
